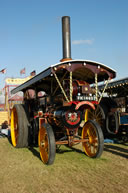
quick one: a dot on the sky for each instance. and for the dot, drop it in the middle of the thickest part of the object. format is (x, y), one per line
(31, 35)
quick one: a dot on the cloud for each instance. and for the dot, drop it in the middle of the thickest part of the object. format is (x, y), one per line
(88, 41)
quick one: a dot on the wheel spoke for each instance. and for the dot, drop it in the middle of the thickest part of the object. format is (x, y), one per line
(46, 142)
(92, 146)
(44, 154)
(96, 115)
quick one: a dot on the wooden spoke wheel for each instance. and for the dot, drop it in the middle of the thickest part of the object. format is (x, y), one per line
(97, 115)
(46, 141)
(91, 131)
(19, 126)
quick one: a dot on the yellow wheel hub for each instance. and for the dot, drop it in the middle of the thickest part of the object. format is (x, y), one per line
(43, 145)
(91, 140)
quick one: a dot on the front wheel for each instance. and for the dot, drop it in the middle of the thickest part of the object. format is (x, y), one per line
(94, 144)
(46, 141)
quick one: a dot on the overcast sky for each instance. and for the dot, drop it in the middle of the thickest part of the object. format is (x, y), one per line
(30, 34)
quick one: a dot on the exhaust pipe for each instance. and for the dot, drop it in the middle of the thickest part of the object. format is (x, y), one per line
(66, 42)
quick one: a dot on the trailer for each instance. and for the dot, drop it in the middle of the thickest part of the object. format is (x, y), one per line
(55, 102)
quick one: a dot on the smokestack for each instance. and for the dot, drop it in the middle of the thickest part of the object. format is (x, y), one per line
(66, 38)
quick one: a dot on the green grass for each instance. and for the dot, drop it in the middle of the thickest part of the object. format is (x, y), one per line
(72, 172)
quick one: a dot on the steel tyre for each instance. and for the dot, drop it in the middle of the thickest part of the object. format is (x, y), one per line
(19, 126)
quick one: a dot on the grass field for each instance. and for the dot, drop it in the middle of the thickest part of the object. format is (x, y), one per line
(21, 171)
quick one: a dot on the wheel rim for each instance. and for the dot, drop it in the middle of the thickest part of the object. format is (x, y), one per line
(91, 146)
(14, 127)
(43, 145)
(96, 115)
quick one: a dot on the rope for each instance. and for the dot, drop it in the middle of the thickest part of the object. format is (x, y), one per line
(96, 87)
(103, 90)
(71, 86)
(60, 82)
(61, 87)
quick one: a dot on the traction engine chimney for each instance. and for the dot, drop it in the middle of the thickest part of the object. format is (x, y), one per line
(66, 38)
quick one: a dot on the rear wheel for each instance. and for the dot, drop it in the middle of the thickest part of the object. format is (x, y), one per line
(46, 141)
(19, 126)
(93, 147)
(97, 115)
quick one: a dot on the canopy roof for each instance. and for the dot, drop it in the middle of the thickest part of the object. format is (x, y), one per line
(119, 87)
(81, 70)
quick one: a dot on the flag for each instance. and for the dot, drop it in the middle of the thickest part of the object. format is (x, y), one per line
(33, 73)
(22, 71)
(3, 71)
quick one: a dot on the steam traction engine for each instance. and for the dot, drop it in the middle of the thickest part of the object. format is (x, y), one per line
(55, 102)
(115, 108)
